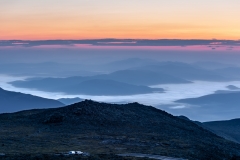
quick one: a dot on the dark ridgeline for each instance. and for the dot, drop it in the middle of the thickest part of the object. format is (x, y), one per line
(14, 101)
(100, 128)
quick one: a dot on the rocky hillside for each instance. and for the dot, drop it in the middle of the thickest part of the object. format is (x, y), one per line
(100, 128)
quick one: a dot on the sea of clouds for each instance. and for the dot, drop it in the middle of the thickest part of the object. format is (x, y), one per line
(172, 93)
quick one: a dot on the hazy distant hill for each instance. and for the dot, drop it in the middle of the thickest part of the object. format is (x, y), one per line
(77, 85)
(14, 101)
(222, 100)
(69, 101)
(185, 71)
(49, 84)
(107, 87)
(133, 77)
(101, 128)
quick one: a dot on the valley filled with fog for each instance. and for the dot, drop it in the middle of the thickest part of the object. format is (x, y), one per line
(163, 100)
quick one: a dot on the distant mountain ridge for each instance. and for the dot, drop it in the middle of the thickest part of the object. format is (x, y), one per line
(14, 101)
(125, 78)
(87, 87)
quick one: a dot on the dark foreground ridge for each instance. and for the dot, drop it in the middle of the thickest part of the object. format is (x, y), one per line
(107, 130)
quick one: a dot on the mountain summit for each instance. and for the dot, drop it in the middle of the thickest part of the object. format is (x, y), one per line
(99, 128)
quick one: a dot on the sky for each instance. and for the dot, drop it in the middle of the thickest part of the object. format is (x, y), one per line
(137, 19)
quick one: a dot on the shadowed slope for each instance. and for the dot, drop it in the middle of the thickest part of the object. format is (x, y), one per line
(14, 101)
(228, 129)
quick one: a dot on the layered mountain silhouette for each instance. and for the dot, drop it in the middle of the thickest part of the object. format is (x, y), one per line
(14, 101)
(128, 79)
(100, 128)
(89, 87)
(158, 73)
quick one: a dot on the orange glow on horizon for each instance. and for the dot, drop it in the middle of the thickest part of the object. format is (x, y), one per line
(119, 33)
(135, 19)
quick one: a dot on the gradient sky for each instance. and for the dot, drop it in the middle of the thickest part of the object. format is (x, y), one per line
(144, 19)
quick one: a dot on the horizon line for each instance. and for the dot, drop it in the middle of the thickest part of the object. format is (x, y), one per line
(213, 39)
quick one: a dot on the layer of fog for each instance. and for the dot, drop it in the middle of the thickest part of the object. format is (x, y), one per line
(159, 100)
